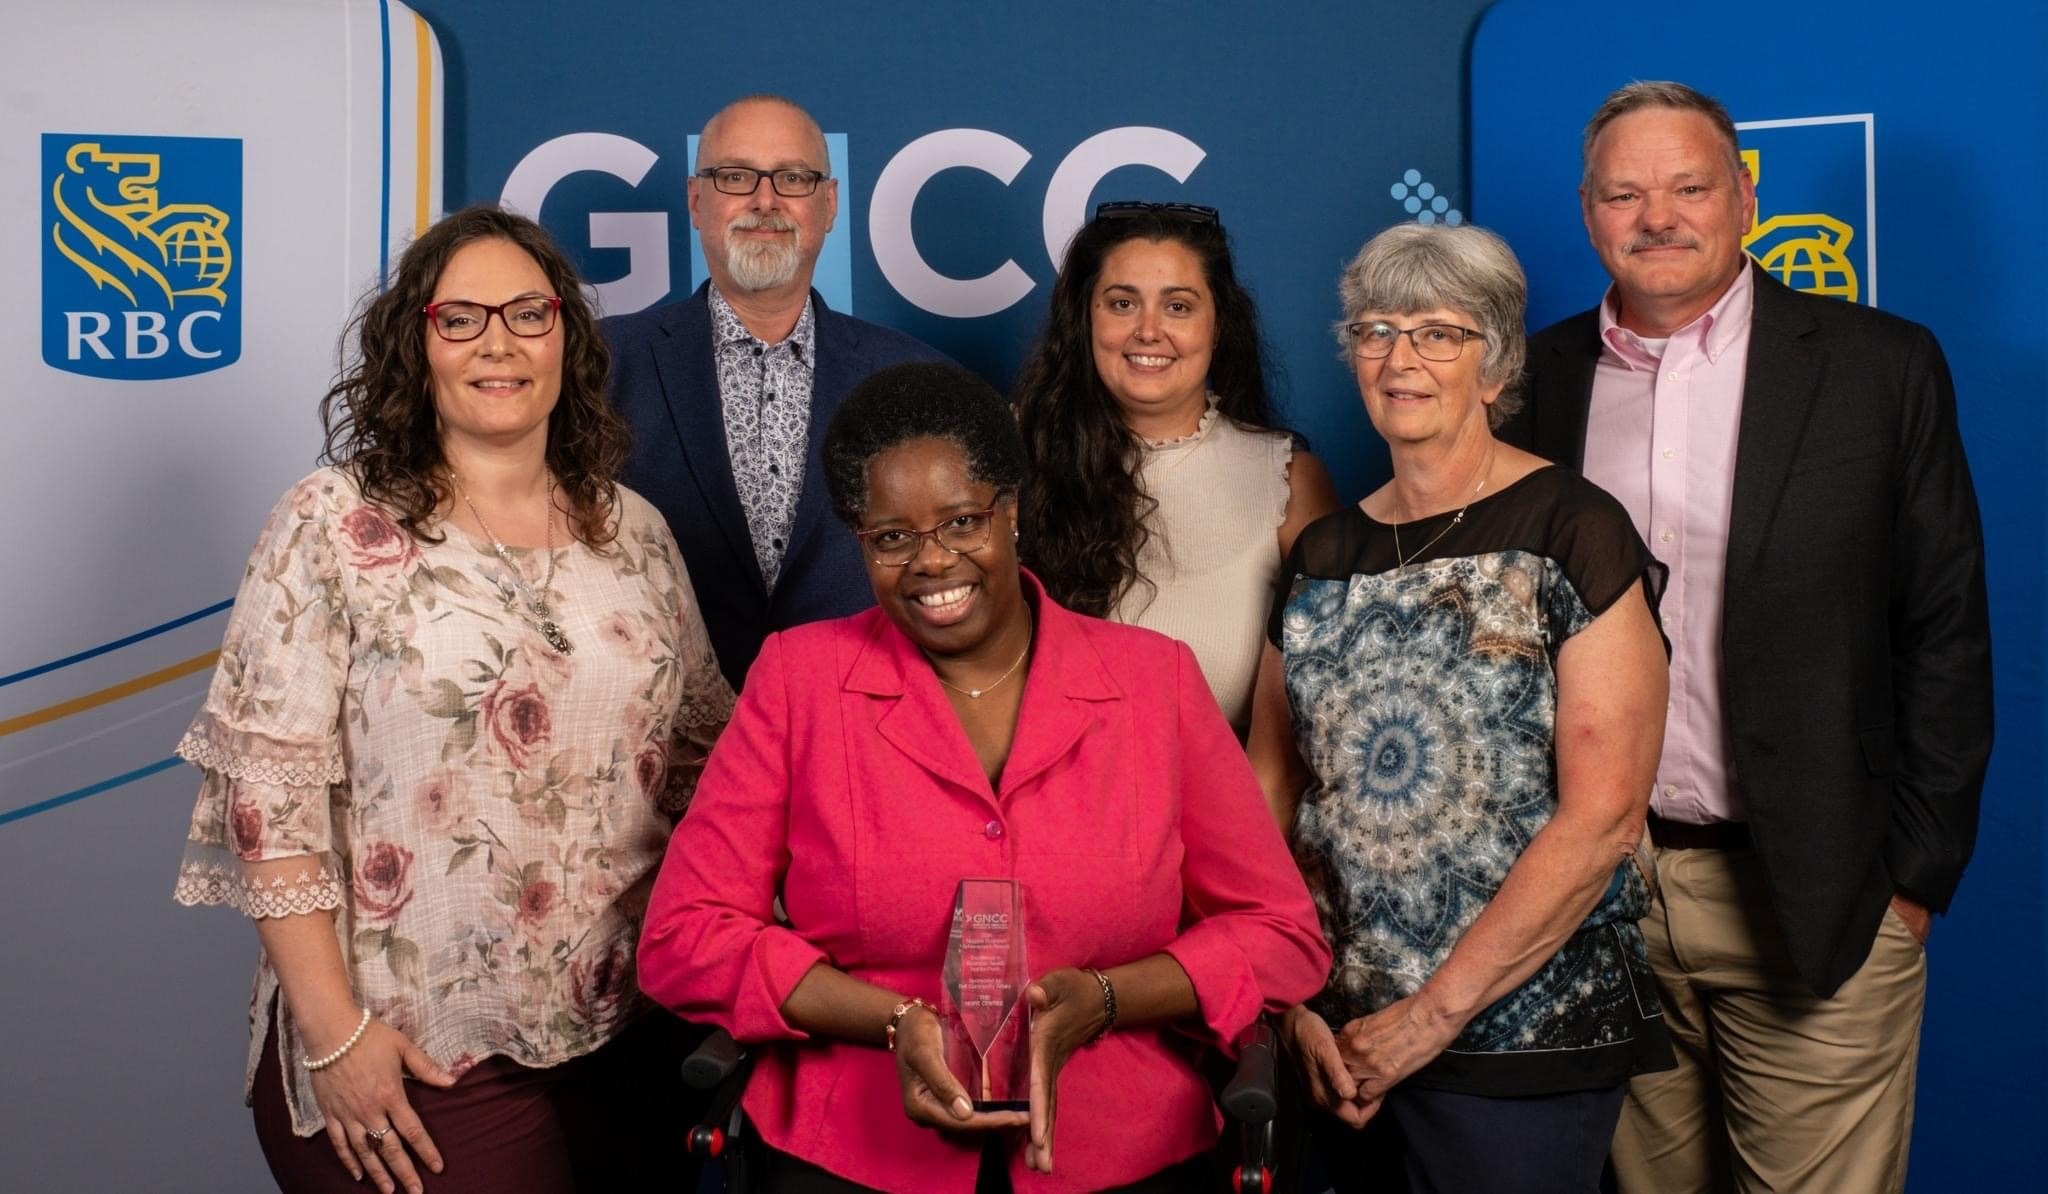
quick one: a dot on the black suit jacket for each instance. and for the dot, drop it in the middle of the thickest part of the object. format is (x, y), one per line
(1855, 646)
(665, 381)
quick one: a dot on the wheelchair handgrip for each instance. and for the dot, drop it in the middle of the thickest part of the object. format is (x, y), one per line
(1250, 1097)
(713, 1061)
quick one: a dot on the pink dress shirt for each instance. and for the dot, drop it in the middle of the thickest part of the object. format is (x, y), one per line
(1660, 437)
(846, 785)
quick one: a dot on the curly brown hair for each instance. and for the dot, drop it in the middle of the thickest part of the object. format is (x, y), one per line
(379, 413)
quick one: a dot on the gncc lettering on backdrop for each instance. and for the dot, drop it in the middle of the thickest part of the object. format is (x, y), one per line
(644, 234)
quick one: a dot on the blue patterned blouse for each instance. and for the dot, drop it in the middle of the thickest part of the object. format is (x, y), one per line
(1424, 700)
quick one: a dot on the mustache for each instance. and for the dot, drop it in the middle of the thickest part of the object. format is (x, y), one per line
(773, 221)
(1660, 240)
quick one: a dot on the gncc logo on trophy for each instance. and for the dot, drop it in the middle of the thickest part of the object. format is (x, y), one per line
(141, 255)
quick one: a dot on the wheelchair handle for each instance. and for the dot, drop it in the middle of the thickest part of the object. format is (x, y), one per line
(713, 1061)
(1249, 1098)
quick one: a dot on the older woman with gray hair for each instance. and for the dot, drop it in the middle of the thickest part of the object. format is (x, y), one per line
(1458, 723)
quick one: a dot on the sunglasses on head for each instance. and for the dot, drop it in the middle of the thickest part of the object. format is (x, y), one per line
(1193, 213)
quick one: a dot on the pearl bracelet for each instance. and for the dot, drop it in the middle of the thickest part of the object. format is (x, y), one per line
(322, 1063)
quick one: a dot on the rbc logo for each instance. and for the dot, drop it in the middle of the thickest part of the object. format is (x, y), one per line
(139, 265)
(1815, 203)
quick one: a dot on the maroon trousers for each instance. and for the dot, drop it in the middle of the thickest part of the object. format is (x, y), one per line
(615, 1119)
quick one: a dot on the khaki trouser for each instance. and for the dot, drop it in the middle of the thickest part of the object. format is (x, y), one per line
(1775, 1089)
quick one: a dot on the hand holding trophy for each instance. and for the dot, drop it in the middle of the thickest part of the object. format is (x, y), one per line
(988, 1038)
(964, 1067)
(1003, 1039)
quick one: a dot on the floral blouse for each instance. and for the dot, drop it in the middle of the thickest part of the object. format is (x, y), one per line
(388, 736)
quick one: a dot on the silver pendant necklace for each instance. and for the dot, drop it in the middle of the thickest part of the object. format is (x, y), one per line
(543, 621)
(1402, 561)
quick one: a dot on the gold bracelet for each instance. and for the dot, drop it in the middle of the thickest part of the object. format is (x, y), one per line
(896, 1017)
(1108, 1004)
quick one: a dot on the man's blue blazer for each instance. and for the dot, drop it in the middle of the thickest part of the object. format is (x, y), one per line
(665, 381)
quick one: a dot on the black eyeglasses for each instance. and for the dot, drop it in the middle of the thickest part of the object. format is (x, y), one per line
(896, 546)
(1439, 342)
(790, 183)
(1193, 213)
(459, 321)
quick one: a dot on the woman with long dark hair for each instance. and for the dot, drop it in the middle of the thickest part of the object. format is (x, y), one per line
(464, 693)
(1162, 492)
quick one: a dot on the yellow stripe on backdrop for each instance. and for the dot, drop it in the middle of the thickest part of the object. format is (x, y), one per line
(423, 140)
(91, 700)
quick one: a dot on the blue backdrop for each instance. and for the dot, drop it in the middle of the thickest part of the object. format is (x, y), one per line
(1315, 126)
(1937, 181)
(1304, 120)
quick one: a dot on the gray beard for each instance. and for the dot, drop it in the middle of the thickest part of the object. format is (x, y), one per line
(758, 265)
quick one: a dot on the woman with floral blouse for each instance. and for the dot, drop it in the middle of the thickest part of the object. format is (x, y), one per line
(464, 693)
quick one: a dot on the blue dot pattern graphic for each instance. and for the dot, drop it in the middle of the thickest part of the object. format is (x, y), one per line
(1421, 199)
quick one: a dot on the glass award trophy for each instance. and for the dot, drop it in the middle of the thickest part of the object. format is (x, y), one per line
(988, 1045)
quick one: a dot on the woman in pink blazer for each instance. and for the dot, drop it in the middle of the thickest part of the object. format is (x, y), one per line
(971, 728)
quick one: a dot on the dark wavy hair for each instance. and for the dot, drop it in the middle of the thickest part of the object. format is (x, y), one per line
(919, 400)
(379, 413)
(1083, 515)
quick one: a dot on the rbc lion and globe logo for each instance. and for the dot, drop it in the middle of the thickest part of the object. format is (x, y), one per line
(142, 249)
(1815, 203)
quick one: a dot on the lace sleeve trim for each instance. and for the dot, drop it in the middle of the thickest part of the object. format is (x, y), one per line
(707, 699)
(675, 799)
(706, 708)
(253, 758)
(213, 883)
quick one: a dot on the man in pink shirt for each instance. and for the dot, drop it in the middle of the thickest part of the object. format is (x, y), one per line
(1796, 463)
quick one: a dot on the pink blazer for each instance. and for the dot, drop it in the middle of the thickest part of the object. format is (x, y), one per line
(845, 784)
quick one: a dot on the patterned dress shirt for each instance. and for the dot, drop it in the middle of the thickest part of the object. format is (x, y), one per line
(765, 390)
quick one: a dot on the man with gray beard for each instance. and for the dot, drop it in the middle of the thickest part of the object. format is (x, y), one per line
(729, 391)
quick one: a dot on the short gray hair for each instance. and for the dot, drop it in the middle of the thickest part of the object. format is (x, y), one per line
(1657, 93)
(1418, 267)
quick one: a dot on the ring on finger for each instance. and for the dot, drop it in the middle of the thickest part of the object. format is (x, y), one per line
(376, 1137)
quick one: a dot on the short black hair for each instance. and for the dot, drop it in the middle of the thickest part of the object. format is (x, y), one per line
(920, 400)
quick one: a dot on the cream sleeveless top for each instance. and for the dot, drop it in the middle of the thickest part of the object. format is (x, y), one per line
(1213, 554)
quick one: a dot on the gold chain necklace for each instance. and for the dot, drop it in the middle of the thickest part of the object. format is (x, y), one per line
(1401, 561)
(542, 620)
(976, 693)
